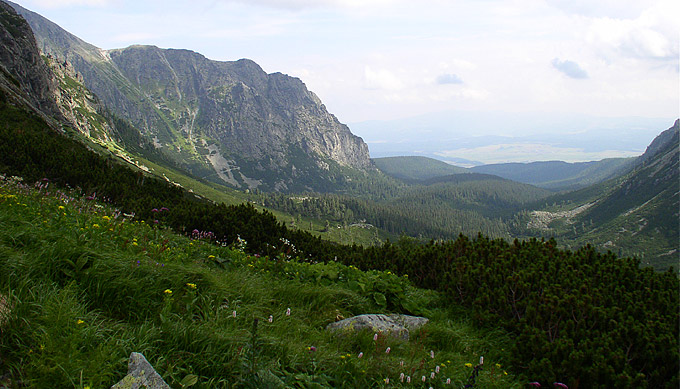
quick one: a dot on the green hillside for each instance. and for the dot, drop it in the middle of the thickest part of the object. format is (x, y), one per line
(529, 288)
(82, 286)
(415, 168)
(558, 175)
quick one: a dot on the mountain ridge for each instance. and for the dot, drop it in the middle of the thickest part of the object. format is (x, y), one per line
(226, 121)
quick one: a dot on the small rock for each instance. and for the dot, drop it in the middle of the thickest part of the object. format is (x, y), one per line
(395, 325)
(141, 375)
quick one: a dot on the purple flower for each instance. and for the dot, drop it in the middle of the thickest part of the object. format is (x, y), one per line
(560, 385)
(154, 210)
(163, 209)
(534, 384)
(311, 349)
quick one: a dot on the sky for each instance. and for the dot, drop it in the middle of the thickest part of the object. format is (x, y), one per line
(392, 59)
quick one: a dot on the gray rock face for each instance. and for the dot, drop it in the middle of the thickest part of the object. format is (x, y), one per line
(141, 375)
(265, 130)
(24, 73)
(395, 325)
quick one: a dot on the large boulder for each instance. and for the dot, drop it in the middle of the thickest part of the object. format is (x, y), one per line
(395, 325)
(141, 375)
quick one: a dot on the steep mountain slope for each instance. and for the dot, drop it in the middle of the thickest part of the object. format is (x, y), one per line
(24, 75)
(558, 175)
(635, 214)
(229, 122)
(415, 167)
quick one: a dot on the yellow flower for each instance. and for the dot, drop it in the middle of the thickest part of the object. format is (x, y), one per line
(211, 256)
(134, 244)
(168, 292)
(95, 225)
(106, 218)
(80, 322)
(498, 365)
(191, 285)
(342, 357)
(468, 364)
(60, 207)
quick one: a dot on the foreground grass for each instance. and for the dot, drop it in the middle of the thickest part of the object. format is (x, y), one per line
(84, 286)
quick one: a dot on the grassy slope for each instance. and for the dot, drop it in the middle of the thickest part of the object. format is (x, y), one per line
(85, 288)
(416, 168)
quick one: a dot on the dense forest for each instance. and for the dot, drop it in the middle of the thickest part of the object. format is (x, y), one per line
(596, 319)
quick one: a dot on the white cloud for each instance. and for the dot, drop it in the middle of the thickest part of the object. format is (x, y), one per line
(382, 79)
(652, 35)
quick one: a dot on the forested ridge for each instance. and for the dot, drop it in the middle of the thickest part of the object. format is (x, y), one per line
(582, 317)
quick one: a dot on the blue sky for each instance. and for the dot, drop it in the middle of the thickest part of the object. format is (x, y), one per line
(391, 59)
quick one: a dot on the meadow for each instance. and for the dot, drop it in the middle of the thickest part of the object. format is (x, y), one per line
(83, 285)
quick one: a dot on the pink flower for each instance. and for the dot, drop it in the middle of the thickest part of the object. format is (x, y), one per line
(560, 385)
(408, 379)
(271, 318)
(448, 381)
(375, 337)
(534, 384)
(401, 377)
(361, 354)
(387, 350)
(432, 375)
(311, 349)
(436, 369)
(423, 378)
(401, 363)
(233, 313)
(432, 354)
(288, 312)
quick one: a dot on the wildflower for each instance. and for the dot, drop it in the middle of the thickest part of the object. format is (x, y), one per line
(271, 318)
(498, 365)
(311, 349)
(95, 225)
(401, 377)
(468, 364)
(436, 369)
(423, 378)
(560, 385)
(79, 322)
(211, 256)
(361, 354)
(534, 384)
(154, 210)
(342, 357)
(481, 360)
(408, 379)
(106, 218)
(191, 285)
(288, 312)
(233, 313)
(168, 292)
(60, 207)
(432, 354)
(401, 363)
(375, 337)
(387, 380)
(448, 381)
(387, 350)
(432, 375)
(163, 209)
(505, 372)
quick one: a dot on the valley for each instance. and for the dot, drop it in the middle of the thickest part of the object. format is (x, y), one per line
(116, 163)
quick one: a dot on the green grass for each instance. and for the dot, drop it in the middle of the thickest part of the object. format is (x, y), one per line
(84, 287)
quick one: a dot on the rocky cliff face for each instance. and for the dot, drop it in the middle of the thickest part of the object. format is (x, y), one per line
(25, 75)
(223, 121)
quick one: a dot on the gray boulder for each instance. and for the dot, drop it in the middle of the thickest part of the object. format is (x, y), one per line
(394, 325)
(141, 375)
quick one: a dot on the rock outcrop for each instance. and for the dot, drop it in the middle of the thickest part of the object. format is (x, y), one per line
(395, 325)
(141, 375)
